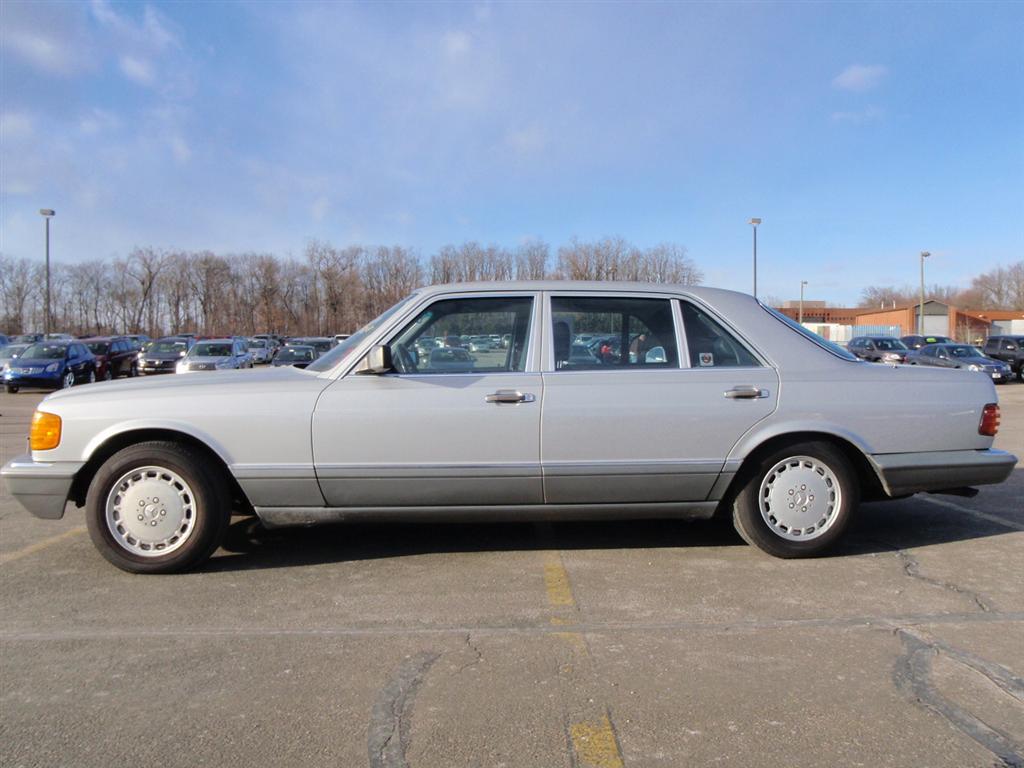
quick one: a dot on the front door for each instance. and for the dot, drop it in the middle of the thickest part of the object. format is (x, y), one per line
(456, 424)
(627, 417)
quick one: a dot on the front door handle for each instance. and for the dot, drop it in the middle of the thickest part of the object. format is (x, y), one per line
(745, 393)
(509, 396)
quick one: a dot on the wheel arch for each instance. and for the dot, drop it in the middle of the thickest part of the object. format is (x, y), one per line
(111, 444)
(867, 473)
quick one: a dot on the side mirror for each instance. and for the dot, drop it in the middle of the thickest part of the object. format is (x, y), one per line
(1011, 347)
(377, 361)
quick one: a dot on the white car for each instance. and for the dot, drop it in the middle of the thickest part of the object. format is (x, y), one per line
(260, 350)
(713, 403)
(216, 355)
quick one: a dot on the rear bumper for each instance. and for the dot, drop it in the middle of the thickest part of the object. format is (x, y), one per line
(905, 473)
(42, 488)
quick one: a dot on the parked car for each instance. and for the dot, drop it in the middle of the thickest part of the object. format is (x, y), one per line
(274, 342)
(115, 356)
(27, 338)
(10, 352)
(321, 344)
(778, 428)
(878, 349)
(261, 350)
(163, 355)
(138, 340)
(59, 337)
(51, 365)
(916, 342)
(296, 356)
(1009, 349)
(960, 356)
(216, 355)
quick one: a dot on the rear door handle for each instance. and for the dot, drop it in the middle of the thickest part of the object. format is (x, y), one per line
(509, 396)
(745, 393)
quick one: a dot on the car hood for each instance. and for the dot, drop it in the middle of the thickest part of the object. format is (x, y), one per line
(980, 361)
(185, 385)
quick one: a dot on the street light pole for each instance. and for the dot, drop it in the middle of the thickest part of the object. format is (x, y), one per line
(802, 284)
(754, 223)
(47, 214)
(920, 317)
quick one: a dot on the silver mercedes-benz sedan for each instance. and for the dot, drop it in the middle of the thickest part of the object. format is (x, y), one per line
(696, 401)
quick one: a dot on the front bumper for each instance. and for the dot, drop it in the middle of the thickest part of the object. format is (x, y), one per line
(151, 367)
(41, 380)
(905, 473)
(42, 488)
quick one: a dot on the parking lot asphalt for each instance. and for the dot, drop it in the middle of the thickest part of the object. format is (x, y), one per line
(566, 644)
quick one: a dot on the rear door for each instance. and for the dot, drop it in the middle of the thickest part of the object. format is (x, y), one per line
(448, 428)
(654, 416)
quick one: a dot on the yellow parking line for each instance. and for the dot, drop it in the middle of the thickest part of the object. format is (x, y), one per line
(31, 549)
(556, 581)
(595, 744)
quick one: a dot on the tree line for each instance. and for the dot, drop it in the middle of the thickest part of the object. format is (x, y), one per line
(1000, 288)
(328, 290)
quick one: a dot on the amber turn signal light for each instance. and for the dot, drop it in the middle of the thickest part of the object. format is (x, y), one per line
(45, 431)
(989, 420)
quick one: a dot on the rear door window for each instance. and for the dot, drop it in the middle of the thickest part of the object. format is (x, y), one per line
(710, 345)
(612, 332)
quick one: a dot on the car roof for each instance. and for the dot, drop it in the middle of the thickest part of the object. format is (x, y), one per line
(598, 286)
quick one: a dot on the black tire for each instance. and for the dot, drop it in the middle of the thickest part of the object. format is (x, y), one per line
(91, 378)
(69, 380)
(108, 374)
(210, 498)
(751, 524)
(133, 371)
(12, 390)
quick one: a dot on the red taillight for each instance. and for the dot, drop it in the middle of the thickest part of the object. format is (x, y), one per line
(989, 420)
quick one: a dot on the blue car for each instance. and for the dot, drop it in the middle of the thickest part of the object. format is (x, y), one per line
(51, 365)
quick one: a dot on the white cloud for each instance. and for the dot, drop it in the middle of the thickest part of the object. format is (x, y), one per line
(527, 140)
(182, 152)
(319, 208)
(154, 31)
(15, 126)
(137, 70)
(38, 50)
(859, 77)
(455, 44)
(866, 115)
(97, 120)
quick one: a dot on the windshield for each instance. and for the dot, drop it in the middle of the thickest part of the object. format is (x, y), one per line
(887, 343)
(832, 347)
(45, 352)
(166, 347)
(295, 355)
(98, 347)
(211, 349)
(340, 352)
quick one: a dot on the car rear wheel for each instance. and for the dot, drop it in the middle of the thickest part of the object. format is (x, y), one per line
(157, 507)
(797, 501)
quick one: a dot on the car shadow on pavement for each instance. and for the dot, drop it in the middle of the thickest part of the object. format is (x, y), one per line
(878, 527)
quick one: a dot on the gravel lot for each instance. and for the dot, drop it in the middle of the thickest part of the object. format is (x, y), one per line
(607, 644)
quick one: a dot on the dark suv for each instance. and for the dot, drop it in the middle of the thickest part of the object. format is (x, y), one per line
(916, 342)
(115, 356)
(878, 349)
(1009, 349)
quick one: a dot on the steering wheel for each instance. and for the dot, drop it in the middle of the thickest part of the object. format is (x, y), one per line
(404, 362)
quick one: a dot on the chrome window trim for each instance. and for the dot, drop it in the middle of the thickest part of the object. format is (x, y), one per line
(391, 332)
(549, 345)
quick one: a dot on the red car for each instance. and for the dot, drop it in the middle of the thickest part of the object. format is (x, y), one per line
(115, 356)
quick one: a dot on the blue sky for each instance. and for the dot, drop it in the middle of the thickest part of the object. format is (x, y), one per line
(860, 133)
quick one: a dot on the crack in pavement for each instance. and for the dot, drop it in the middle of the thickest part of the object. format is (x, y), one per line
(477, 652)
(912, 568)
(912, 674)
(388, 733)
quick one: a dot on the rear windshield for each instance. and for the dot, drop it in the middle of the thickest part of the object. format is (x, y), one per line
(824, 343)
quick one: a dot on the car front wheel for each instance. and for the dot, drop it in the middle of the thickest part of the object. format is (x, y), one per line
(157, 507)
(69, 380)
(12, 390)
(797, 501)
